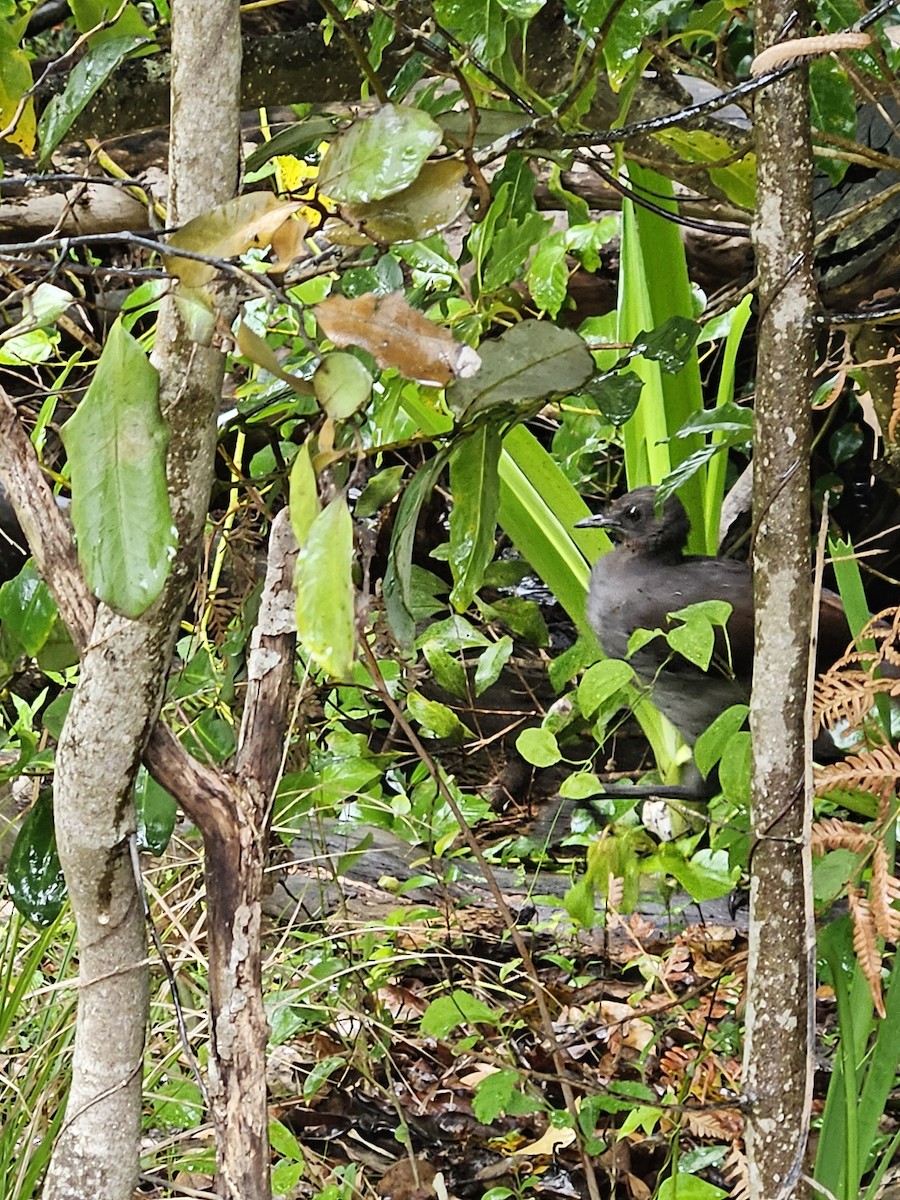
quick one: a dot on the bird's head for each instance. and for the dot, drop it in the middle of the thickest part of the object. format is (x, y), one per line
(634, 521)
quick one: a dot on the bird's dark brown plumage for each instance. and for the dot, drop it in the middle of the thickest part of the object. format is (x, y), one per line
(647, 576)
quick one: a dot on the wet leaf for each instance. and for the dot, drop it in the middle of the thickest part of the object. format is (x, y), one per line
(34, 877)
(116, 444)
(85, 80)
(378, 156)
(396, 335)
(532, 361)
(156, 813)
(431, 202)
(28, 610)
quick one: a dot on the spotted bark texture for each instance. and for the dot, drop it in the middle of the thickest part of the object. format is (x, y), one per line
(777, 1075)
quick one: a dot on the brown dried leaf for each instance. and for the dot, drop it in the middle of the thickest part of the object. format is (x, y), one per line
(396, 335)
(737, 1172)
(865, 946)
(227, 231)
(834, 834)
(884, 891)
(869, 772)
(717, 1124)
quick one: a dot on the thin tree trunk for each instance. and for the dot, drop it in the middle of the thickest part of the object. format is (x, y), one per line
(777, 1075)
(124, 666)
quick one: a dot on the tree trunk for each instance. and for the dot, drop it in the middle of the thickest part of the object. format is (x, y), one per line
(124, 666)
(777, 1066)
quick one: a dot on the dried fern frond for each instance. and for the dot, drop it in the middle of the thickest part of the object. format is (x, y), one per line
(884, 891)
(865, 946)
(834, 834)
(737, 1173)
(848, 695)
(870, 772)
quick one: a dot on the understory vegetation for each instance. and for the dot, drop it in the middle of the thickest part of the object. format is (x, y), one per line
(462, 305)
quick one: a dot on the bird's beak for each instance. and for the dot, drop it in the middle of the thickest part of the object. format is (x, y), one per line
(597, 521)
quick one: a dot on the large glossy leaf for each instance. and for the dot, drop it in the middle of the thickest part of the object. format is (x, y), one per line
(28, 610)
(35, 878)
(531, 361)
(432, 201)
(475, 486)
(156, 813)
(86, 79)
(116, 444)
(378, 156)
(325, 617)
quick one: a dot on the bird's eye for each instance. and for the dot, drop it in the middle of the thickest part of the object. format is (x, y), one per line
(633, 513)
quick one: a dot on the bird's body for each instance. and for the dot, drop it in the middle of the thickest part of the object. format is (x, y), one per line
(646, 577)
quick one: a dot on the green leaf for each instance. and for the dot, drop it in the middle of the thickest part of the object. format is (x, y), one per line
(711, 744)
(447, 1013)
(501, 1092)
(378, 156)
(601, 681)
(510, 248)
(520, 616)
(479, 24)
(448, 671)
(28, 610)
(34, 876)
(325, 611)
(380, 490)
(579, 903)
(397, 587)
(475, 486)
(694, 641)
(616, 396)
(15, 80)
(491, 664)
(433, 200)
(493, 1094)
(671, 344)
(548, 275)
(733, 421)
(688, 1187)
(623, 42)
(116, 444)
(832, 109)
(342, 385)
(706, 876)
(436, 719)
(539, 747)
(85, 80)
(530, 362)
(304, 495)
(734, 769)
(157, 813)
(736, 179)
